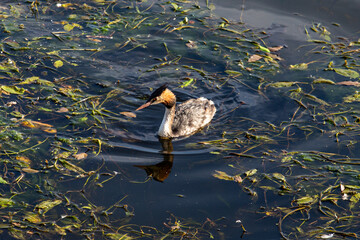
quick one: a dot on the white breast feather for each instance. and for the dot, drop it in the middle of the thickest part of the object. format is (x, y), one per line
(165, 127)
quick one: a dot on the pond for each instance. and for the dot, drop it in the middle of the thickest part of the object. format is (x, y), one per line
(280, 159)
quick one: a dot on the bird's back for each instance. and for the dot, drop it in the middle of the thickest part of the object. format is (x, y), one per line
(192, 115)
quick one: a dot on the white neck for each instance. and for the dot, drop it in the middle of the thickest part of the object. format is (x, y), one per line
(165, 129)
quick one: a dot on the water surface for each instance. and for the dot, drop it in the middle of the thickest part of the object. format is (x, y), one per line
(181, 182)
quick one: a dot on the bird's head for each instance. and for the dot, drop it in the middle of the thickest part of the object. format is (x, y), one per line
(161, 95)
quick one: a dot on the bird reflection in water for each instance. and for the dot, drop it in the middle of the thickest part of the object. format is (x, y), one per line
(161, 171)
(183, 120)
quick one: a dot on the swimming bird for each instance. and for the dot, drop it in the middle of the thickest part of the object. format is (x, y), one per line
(184, 119)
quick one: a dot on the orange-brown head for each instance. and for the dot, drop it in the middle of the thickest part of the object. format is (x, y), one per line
(161, 95)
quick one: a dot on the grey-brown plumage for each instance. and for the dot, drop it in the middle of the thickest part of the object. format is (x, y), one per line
(184, 119)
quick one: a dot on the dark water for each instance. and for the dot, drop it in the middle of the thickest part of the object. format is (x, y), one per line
(186, 187)
(190, 190)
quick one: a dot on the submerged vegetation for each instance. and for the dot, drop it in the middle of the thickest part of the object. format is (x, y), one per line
(55, 116)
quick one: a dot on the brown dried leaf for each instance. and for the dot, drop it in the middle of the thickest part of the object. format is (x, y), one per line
(80, 156)
(35, 124)
(254, 58)
(129, 114)
(62, 110)
(349, 83)
(29, 170)
(27, 123)
(191, 44)
(238, 179)
(23, 159)
(275, 49)
(49, 130)
(95, 40)
(273, 56)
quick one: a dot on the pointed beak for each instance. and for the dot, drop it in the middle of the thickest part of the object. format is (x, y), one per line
(144, 106)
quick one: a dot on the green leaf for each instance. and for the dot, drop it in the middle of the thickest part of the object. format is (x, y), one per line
(264, 49)
(279, 176)
(300, 66)
(8, 66)
(305, 200)
(346, 72)
(232, 72)
(16, 234)
(12, 44)
(211, 7)
(307, 157)
(72, 167)
(15, 11)
(58, 63)
(175, 7)
(72, 16)
(187, 83)
(37, 80)
(352, 187)
(355, 198)
(250, 172)
(45, 109)
(352, 98)
(3, 181)
(258, 137)
(60, 230)
(32, 217)
(223, 176)
(286, 159)
(330, 65)
(68, 27)
(47, 205)
(30, 80)
(6, 202)
(83, 119)
(268, 188)
(13, 89)
(318, 100)
(326, 37)
(45, 82)
(215, 153)
(56, 53)
(282, 84)
(118, 236)
(323, 80)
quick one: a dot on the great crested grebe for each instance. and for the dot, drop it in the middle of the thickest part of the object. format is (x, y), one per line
(184, 119)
